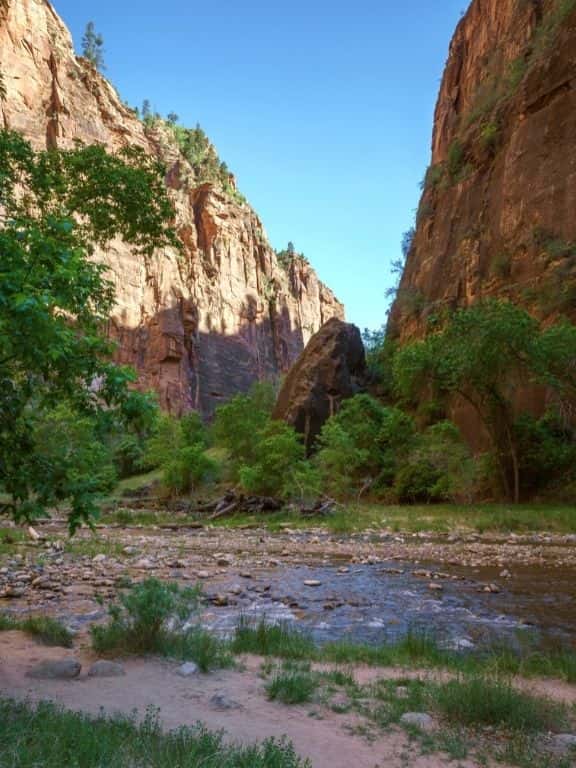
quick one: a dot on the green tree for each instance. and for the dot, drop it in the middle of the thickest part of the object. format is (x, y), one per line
(172, 118)
(278, 465)
(238, 423)
(484, 354)
(93, 46)
(146, 110)
(55, 300)
(361, 445)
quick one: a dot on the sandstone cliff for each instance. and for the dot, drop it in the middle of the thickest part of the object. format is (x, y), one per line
(197, 327)
(496, 216)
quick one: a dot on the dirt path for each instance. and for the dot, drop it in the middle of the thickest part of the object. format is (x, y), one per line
(327, 738)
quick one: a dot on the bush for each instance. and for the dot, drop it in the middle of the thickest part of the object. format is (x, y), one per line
(188, 469)
(547, 451)
(418, 482)
(237, 423)
(178, 448)
(362, 444)
(146, 617)
(278, 466)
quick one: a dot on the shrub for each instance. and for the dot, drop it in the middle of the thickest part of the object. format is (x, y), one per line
(278, 465)
(187, 469)
(178, 448)
(547, 451)
(455, 160)
(145, 618)
(418, 481)
(237, 423)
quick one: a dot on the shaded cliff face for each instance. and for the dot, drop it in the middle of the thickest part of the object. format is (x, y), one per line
(496, 216)
(198, 327)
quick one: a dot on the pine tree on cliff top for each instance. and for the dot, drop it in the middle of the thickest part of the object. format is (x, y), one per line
(93, 46)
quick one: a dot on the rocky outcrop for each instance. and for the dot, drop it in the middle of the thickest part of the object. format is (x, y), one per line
(197, 327)
(496, 216)
(330, 369)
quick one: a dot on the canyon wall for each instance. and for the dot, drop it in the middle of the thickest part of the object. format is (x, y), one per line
(497, 213)
(197, 326)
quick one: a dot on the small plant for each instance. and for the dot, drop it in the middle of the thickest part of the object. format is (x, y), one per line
(293, 685)
(45, 629)
(455, 160)
(490, 136)
(146, 617)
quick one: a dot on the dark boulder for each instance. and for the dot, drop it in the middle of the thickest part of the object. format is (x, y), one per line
(331, 369)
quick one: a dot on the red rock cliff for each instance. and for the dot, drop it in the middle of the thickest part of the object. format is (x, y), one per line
(197, 328)
(497, 214)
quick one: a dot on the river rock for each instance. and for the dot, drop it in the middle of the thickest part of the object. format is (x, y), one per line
(223, 702)
(312, 583)
(188, 669)
(105, 668)
(419, 720)
(58, 669)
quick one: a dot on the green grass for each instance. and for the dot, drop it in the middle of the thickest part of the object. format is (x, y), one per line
(92, 546)
(414, 650)
(45, 736)
(45, 629)
(280, 640)
(10, 538)
(293, 685)
(479, 701)
(441, 518)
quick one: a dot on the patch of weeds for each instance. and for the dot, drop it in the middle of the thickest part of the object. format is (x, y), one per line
(93, 546)
(293, 684)
(151, 618)
(490, 136)
(48, 736)
(455, 160)
(10, 538)
(491, 702)
(391, 706)
(281, 640)
(524, 750)
(45, 629)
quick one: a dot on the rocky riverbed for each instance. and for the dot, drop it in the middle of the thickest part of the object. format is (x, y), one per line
(467, 589)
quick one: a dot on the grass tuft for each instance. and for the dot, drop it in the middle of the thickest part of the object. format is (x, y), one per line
(281, 640)
(492, 702)
(45, 629)
(293, 685)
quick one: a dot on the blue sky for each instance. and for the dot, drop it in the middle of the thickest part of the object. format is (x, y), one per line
(322, 109)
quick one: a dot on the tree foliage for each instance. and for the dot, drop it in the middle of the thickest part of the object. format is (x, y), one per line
(55, 300)
(483, 354)
(93, 46)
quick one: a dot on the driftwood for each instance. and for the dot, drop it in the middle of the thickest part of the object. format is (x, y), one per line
(232, 502)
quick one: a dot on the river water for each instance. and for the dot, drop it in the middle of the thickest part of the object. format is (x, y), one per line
(377, 603)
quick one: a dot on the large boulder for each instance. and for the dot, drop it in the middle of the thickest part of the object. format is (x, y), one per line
(330, 369)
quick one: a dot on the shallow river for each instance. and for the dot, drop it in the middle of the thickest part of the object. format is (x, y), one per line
(373, 603)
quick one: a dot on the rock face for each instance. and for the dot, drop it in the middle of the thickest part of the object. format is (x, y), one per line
(329, 370)
(197, 328)
(496, 216)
